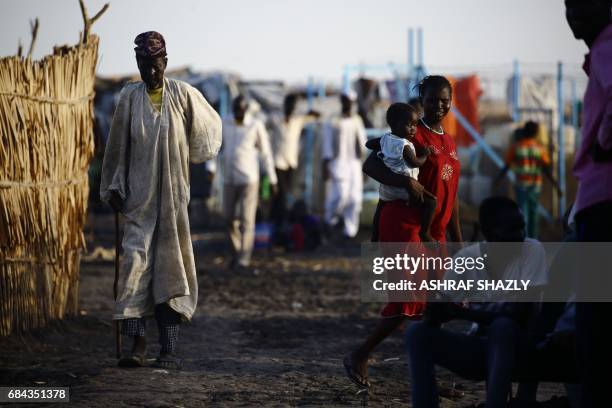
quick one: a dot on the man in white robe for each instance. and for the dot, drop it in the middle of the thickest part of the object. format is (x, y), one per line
(343, 147)
(286, 147)
(245, 142)
(159, 126)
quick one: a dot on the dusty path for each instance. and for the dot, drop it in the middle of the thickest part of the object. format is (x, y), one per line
(273, 337)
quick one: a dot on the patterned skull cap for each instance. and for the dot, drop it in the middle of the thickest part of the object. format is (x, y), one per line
(150, 44)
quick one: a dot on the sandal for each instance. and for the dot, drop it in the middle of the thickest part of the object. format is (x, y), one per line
(168, 361)
(131, 361)
(353, 375)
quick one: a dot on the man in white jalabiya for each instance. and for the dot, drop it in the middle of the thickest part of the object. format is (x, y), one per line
(343, 147)
(245, 141)
(286, 148)
(159, 126)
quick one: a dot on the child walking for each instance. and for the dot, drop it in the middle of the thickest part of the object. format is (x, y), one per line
(528, 160)
(398, 153)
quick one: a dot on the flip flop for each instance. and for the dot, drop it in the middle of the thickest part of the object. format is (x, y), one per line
(131, 361)
(168, 361)
(353, 375)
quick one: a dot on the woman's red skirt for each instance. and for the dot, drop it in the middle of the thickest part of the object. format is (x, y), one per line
(401, 223)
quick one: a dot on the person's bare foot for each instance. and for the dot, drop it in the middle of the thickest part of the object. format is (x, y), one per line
(356, 367)
(361, 363)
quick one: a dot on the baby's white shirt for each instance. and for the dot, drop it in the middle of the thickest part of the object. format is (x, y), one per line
(392, 154)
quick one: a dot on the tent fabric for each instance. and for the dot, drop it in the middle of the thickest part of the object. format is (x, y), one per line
(537, 93)
(367, 97)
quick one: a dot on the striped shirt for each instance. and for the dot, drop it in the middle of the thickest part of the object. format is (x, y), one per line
(527, 158)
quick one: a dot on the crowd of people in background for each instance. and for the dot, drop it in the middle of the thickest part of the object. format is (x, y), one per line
(255, 151)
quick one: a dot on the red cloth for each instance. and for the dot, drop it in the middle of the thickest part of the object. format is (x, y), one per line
(401, 223)
(466, 95)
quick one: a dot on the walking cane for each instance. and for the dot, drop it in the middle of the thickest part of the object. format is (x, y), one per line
(117, 245)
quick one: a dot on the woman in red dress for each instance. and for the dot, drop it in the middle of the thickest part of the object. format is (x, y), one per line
(400, 223)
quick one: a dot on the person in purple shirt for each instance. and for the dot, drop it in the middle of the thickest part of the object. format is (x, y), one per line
(591, 21)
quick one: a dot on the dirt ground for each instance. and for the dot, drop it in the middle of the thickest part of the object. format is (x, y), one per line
(273, 336)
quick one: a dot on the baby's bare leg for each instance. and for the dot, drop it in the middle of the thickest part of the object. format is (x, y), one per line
(428, 209)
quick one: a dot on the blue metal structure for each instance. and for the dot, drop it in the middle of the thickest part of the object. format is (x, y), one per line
(410, 66)
(575, 113)
(420, 67)
(483, 145)
(516, 91)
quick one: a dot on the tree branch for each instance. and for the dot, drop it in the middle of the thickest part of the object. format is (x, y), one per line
(99, 13)
(88, 22)
(34, 30)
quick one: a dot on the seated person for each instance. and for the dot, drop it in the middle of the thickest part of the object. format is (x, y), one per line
(490, 352)
(555, 329)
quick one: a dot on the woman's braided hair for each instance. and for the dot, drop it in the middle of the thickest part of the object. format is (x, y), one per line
(435, 82)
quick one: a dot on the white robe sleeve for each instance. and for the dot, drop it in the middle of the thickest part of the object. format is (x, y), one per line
(115, 164)
(204, 127)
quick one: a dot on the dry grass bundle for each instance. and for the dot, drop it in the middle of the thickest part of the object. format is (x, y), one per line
(46, 143)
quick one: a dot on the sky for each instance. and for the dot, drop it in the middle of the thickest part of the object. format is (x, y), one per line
(292, 40)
